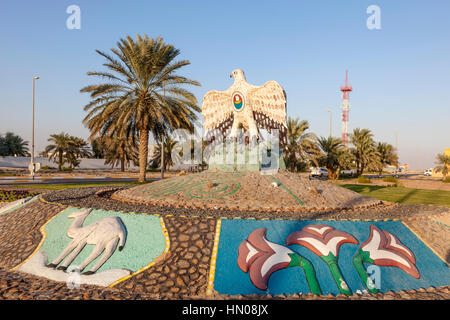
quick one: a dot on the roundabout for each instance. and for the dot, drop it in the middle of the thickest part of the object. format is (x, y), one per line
(244, 229)
(193, 253)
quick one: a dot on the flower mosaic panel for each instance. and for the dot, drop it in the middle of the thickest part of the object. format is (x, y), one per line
(262, 256)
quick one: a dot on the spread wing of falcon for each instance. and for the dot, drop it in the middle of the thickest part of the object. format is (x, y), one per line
(269, 108)
(215, 115)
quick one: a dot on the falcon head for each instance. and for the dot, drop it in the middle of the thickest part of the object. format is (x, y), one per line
(238, 75)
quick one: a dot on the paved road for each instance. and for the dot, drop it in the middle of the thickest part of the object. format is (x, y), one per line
(66, 180)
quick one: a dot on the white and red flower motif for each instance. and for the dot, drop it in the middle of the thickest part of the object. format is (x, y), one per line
(321, 239)
(325, 242)
(386, 250)
(261, 258)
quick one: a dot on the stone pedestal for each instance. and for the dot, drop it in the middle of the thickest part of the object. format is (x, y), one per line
(241, 157)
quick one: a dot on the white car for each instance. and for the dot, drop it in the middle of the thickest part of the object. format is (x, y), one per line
(428, 172)
(319, 172)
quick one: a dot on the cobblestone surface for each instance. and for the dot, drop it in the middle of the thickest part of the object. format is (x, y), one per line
(87, 197)
(181, 274)
(284, 191)
(436, 235)
(17, 285)
(185, 269)
(19, 231)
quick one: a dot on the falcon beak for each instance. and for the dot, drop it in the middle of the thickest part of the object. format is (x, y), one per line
(231, 75)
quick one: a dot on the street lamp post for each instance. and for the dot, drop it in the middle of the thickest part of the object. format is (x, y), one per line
(32, 169)
(331, 122)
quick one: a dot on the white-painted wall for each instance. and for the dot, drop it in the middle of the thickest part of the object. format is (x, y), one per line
(23, 162)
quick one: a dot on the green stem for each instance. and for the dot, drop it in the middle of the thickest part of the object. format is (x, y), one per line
(313, 284)
(332, 263)
(358, 260)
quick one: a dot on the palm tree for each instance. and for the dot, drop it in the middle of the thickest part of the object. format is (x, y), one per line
(13, 145)
(333, 153)
(78, 149)
(364, 150)
(58, 149)
(121, 151)
(98, 148)
(66, 148)
(444, 160)
(387, 156)
(142, 94)
(301, 144)
(171, 149)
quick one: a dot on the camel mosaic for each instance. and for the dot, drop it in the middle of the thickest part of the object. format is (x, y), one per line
(112, 246)
(105, 234)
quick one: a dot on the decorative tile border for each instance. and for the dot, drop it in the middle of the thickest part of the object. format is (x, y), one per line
(212, 270)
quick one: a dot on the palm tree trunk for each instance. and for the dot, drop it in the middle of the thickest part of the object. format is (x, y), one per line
(143, 153)
(122, 159)
(60, 160)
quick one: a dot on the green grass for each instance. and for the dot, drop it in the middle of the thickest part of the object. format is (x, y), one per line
(73, 185)
(403, 195)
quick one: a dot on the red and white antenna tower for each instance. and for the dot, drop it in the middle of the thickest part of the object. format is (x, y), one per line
(345, 109)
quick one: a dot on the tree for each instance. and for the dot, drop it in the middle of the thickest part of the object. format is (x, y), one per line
(333, 153)
(142, 94)
(57, 150)
(66, 149)
(364, 151)
(387, 156)
(98, 148)
(302, 145)
(120, 150)
(13, 145)
(171, 149)
(444, 161)
(78, 149)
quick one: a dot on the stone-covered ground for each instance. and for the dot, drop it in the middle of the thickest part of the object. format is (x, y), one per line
(247, 190)
(184, 271)
(99, 198)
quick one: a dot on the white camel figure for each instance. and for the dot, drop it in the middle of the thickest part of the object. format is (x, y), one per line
(104, 234)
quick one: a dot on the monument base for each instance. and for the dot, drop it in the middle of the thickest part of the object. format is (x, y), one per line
(246, 158)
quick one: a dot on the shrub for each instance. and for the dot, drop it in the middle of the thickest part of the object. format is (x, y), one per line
(47, 168)
(446, 180)
(362, 179)
(66, 169)
(390, 179)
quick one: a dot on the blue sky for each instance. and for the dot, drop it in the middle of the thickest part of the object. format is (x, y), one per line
(399, 74)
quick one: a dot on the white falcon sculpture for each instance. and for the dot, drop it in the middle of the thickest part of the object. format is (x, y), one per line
(245, 105)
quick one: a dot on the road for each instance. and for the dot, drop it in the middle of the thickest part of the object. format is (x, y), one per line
(67, 180)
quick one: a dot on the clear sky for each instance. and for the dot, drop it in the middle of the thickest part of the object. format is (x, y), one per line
(400, 74)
